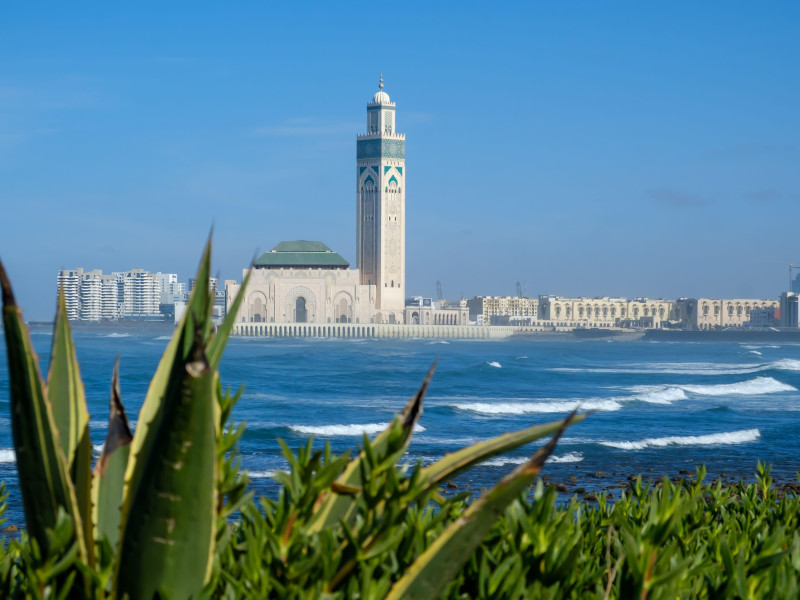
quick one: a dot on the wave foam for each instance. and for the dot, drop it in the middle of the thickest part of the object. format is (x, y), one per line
(714, 439)
(7, 455)
(163, 337)
(756, 352)
(352, 429)
(567, 458)
(522, 408)
(752, 387)
(260, 474)
(117, 335)
(494, 364)
(787, 364)
(699, 368)
(658, 394)
(502, 461)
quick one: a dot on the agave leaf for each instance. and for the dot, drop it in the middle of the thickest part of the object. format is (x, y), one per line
(461, 460)
(41, 464)
(217, 343)
(167, 544)
(171, 365)
(109, 472)
(66, 395)
(390, 445)
(437, 566)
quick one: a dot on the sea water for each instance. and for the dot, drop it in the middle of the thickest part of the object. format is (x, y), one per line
(658, 408)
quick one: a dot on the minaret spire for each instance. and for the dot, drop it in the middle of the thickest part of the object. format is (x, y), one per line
(380, 85)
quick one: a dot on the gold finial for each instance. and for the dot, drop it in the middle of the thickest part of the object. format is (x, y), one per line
(380, 85)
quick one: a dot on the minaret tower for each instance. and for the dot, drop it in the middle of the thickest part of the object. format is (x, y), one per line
(381, 208)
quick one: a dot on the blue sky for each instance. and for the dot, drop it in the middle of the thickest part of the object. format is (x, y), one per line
(587, 148)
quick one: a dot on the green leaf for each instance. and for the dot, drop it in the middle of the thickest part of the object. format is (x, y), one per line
(171, 367)
(71, 417)
(461, 460)
(217, 344)
(43, 473)
(109, 472)
(167, 544)
(431, 572)
(389, 445)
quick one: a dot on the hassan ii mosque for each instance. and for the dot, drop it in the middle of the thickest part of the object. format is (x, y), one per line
(307, 282)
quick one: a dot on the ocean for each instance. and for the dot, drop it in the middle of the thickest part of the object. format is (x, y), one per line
(660, 408)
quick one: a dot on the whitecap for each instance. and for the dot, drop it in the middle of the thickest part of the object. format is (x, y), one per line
(658, 394)
(502, 461)
(7, 455)
(571, 457)
(97, 448)
(752, 387)
(523, 357)
(713, 439)
(439, 342)
(117, 335)
(351, 429)
(494, 364)
(260, 474)
(786, 364)
(163, 337)
(521, 408)
(756, 352)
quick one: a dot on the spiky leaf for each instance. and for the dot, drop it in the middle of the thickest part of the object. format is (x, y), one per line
(66, 394)
(452, 464)
(437, 566)
(168, 538)
(390, 444)
(217, 343)
(43, 473)
(109, 472)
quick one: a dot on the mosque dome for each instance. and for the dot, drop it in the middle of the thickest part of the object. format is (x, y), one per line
(381, 97)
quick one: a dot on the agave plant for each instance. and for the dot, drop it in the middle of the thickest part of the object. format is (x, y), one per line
(147, 514)
(149, 521)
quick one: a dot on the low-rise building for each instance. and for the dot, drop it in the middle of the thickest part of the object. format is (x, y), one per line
(711, 313)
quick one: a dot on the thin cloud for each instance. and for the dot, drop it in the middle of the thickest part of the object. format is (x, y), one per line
(306, 128)
(676, 199)
(772, 195)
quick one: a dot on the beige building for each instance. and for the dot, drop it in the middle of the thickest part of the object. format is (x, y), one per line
(709, 313)
(503, 310)
(304, 282)
(606, 312)
(425, 311)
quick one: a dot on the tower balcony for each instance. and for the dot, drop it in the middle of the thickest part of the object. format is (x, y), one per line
(377, 136)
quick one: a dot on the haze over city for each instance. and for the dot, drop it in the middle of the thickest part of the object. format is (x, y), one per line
(616, 149)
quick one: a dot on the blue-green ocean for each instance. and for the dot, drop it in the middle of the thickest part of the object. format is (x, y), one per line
(660, 407)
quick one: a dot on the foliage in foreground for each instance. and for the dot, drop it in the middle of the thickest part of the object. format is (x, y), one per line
(151, 519)
(365, 527)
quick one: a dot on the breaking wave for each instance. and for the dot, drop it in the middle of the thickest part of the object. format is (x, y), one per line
(522, 408)
(714, 439)
(658, 394)
(260, 474)
(117, 335)
(567, 458)
(494, 364)
(7, 455)
(698, 368)
(752, 387)
(352, 429)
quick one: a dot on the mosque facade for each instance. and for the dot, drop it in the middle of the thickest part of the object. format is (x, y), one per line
(307, 282)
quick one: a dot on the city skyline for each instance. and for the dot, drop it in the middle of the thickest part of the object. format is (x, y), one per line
(633, 151)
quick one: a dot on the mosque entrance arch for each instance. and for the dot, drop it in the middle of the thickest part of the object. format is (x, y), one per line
(300, 312)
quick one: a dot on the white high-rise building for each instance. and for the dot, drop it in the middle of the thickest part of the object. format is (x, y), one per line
(381, 208)
(91, 296)
(110, 294)
(69, 284)
(142, 287)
